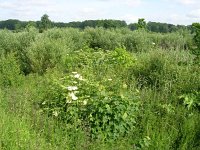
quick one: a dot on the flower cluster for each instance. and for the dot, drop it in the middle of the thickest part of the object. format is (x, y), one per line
(77, 76)
(73, 90)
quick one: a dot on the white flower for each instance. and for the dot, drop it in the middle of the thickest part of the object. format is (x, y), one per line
(74, 72)
(72, 88)
(73, 96)
(55, 113)
(153, 43)
(78, 76)
(109, 79)
(44, 103)
(84, 102)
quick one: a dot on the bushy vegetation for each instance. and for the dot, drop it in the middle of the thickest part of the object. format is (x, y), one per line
(99, 89)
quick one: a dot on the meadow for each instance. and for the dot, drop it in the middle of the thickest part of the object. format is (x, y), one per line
(99, 89)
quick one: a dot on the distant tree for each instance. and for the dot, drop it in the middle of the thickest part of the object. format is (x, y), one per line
(132, 26)
(45, 23)
(153, 26)
(172, 28)
(18, 26)
(141, 24)
(163, 28)
(31, 24)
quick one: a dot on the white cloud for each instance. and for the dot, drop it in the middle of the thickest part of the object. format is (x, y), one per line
(28, 9)
(129, 18)
(89, 10)
(15, 4)
(133, 2)
(187, 2)
(183, 2)
(194, 14)
(126, 2)
(181, 19)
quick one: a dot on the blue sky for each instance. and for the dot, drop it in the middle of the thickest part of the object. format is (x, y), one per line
(169, 11)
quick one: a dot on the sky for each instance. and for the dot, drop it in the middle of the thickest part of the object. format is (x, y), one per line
(183, 12)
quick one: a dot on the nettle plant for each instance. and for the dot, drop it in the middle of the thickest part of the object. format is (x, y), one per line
(96, 107)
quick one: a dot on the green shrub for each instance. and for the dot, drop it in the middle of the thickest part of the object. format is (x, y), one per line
(25, 40)
(99, 108)
(72, 38)
(8, 42)
(45, 53)
(101, 38)
(137, 41)
(196, 50)
(166, 69)
(148, 69)
(116, 60)
(9, 71)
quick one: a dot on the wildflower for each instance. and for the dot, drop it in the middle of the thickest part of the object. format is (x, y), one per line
(153, 43)
(109, 79)
(55, 113)
(44, 103)
(77, 76)
(72, 88)
(80, 78)
(84, 102)
(74, 72)
(73, 96)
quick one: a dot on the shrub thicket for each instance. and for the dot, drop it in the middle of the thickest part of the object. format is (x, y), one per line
(99, 89)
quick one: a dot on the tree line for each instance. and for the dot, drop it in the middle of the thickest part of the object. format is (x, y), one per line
(45, 22)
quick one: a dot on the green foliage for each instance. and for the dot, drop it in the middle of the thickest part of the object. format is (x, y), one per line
(166, 69)
(25, 40)
(15, 135)
(148, 69)
(137, 41)
(158, 27)
(101, 38)
(172, 41)
(99, 108)
(191, 100)
(196, 51)
(196, 26)
(45, 23)
(8, 42)
(9, 71)
(141, 24)
(51, 48)
(120, 58)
